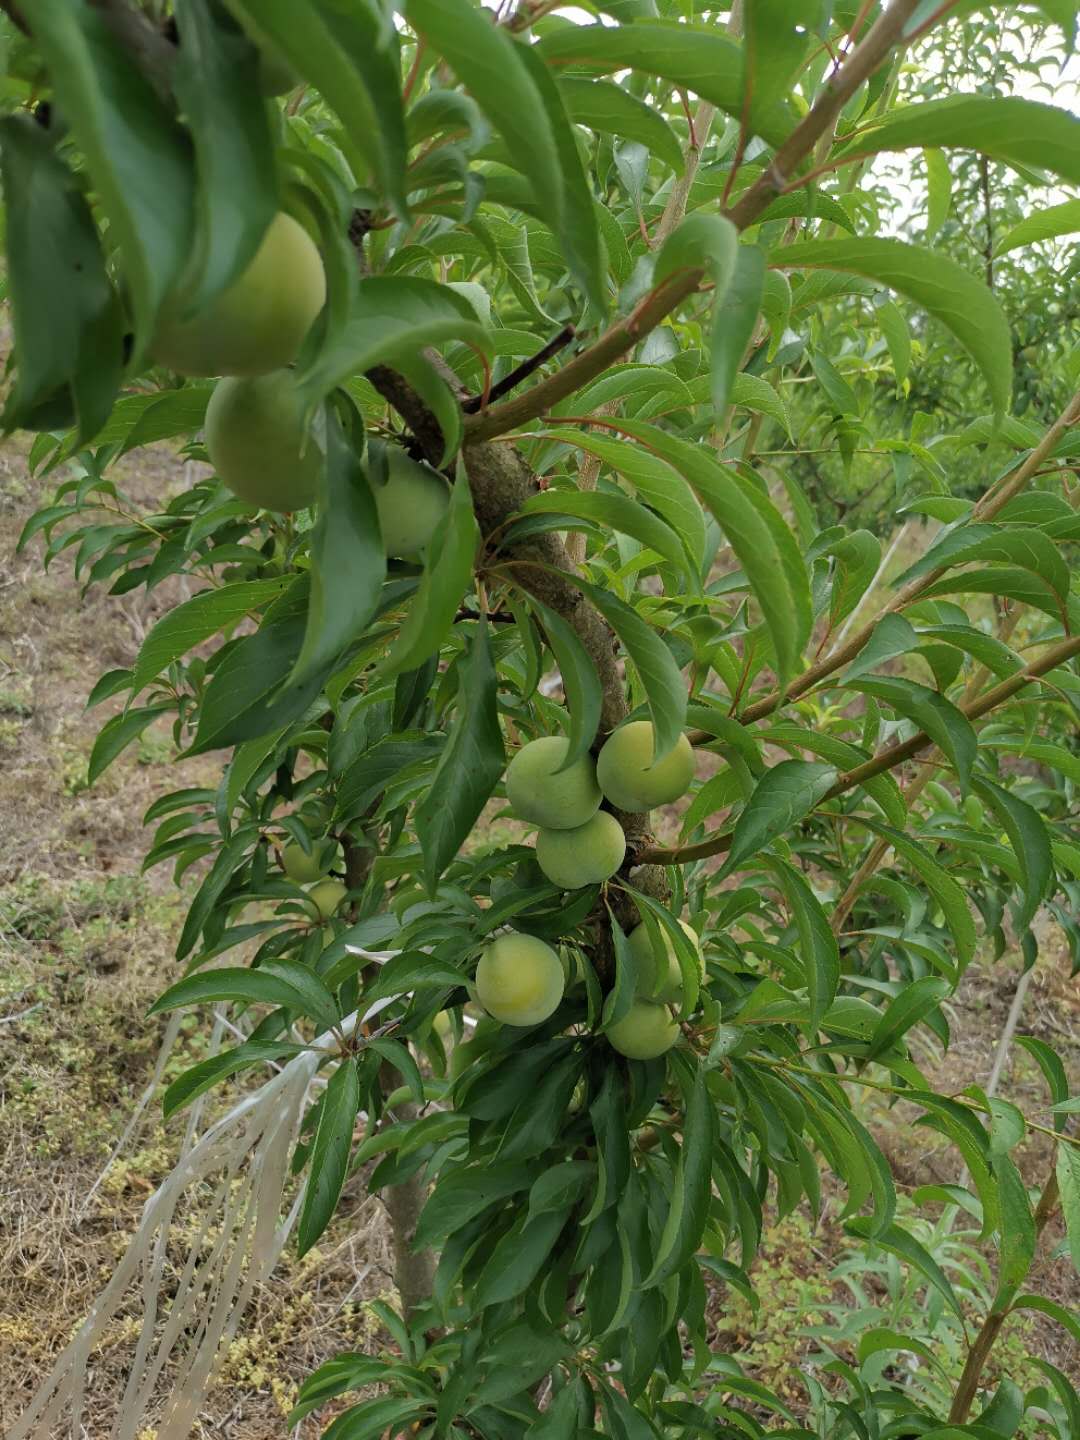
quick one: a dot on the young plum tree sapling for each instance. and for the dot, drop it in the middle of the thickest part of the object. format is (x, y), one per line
(583, 856)
(259, 323)
(258, 444)
(556, 801)
(631, 780)
(519, 980)
(646, 1031)
(658, 973)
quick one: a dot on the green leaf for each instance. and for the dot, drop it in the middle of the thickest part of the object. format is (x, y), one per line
(938, 191)
(782, 797)
(67, 318)
(350, 54)
(199, 1078)
(891, 636)
(938, 284)
(1048, 224)
(612, 110)
(913, 1004)
(1030, 841)
(1067, 1319)
(1019, 132)
(857, 557)
(841, 753)
(892, 324)
(948, 727)
(818, 945)
(660, 675)
(117, 734)
(710, 243)
(522, 102)
(776, 35)
(898, 1241)
(692, 57)
(945, 890)
(330, 1152)
(447, 578)
(368, 776)
(734, 323)
(618, 512)
(881, 1340)
(216, 79)
(194, 621)
(1053, 1071)
(1018, 1234)
(757, 533)
(517, 1257)
(1068, 1178)
(470, 766)
(280, 982)
(581, 684)
(688, 1211)
(1021, 545)
(137, 156)
(461, 1195)
(348, 563)
(622, 994)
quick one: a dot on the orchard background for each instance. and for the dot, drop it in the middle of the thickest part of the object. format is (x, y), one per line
(709, 372)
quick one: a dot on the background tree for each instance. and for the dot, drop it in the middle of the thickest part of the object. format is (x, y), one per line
(504, 308)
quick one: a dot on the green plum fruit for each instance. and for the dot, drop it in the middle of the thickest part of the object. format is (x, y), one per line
(583, 856)
(519, 980)
(540, 796)
(658, 973)
(327, 896)
(259, 323)
(304, 868)
(645, 1031)
(627, 775)
(257, 442)
(410, 505)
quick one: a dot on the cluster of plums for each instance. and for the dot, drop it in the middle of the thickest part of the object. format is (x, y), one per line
(520, 980)
(257, 435)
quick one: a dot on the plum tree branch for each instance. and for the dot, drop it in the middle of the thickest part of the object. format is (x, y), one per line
(890, 756)
(881, 40)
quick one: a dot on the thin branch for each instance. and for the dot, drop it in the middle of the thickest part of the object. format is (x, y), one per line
(521, 372)
(888, 758)
(619, 338)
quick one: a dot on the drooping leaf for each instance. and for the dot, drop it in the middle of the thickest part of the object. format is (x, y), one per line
(689, 1208)
(1030, 842)
(67, 317)
(913, 1004)
(783, 796)
(1048, 224)
(470, 765)
(281, 982)
(581, 683)
(329, 1163)
(734, 323)
(205, 614)
(947, 726)
(949, 292)
(817, 944)
(613, 110)
(1018, 1235)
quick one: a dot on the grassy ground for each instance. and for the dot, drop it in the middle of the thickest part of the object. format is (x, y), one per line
(87, 942)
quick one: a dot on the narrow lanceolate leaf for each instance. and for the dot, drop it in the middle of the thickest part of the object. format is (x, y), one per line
(913, 1004)
(818, 946)
(1068, 1177)
(217, 84)
(614, 512)
(348, 563)
(685, 1223)
(938, 191)
(665, 688)
(502, 77)
(117, 734)
(945, 890)
(1030, 841)
(892, 636)
(711, 243)
(756, 532)
(1048, 224)
(447, 576)
(611, 110)
(206, 1074)
(908, 1248)
(856, 558)
(734, 321)
(329, 1162)
(67, 317)
(350, 54)
(776, 35)
(781, 798)
(137, 156)
(1018, 1234)
(948, 727)
(949, 292)
(196, 620)
(581, 684)
(692, 57)
(1022, 545)
(285, 982)
(1021, 132)
(470, 766)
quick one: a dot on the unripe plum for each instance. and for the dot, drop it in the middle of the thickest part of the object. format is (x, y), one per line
(304, 868)
(583, 856)
(327, 896)
(257, 442)
(538, 795)
(259, 323)
(410, 504)
(658, 973)
(628, 776)
(519, 980)
(645, 1031)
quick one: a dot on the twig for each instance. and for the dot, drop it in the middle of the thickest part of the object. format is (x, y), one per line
(521, 372)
